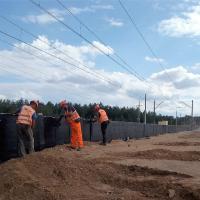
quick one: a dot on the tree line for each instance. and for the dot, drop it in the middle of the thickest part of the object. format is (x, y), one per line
(115, 113)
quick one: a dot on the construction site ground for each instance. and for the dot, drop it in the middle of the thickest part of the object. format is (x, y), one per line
(162, 167)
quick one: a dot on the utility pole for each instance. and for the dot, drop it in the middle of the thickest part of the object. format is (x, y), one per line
(154, 111)
(138, 118)
(155, 107)
(192, 114)
(145, 110)
(176, 120)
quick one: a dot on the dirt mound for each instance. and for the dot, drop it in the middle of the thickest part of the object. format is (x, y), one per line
(179, 143)
(195, 134)
(152, 183)
(145, 171)
(162, 154)
(56, 174)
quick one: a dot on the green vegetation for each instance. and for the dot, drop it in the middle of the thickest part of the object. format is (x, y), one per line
(115, 113)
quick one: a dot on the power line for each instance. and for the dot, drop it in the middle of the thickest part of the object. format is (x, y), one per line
(8, 35)
(50, 54)
(30, 76)
(18, 47)
(31, 54)
(34, 36)
(27, 52)
(74, 31)
(143, 38)
(51, 84)
(84, 38)
(145, 41)
(15, 61)
(97, 37)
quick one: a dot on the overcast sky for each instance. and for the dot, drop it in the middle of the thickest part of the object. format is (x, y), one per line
(59, 64)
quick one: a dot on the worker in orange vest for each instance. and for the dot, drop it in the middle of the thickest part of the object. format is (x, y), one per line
(103, 120)
(73, 118)
(25, 122)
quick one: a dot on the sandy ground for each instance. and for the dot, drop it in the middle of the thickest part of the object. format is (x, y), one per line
(162, 167)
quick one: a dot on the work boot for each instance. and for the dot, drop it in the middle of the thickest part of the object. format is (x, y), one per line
(71, 148)
(78, 149)
(102, 143)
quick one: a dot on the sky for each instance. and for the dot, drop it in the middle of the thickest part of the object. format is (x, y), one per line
(51, 58)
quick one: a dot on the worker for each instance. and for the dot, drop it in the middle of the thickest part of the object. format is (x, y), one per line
(102, 118)
(25, 123)
(73, 118)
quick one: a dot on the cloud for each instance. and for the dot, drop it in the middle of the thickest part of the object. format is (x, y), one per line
(44, 18)
(2, 96)
(49, 79)
(187, 24)
(196, 66)
(105, 49)
(102, 7)
(76, 10)
(156, 60)
(92, 8)
(115, 22)
(182, 78)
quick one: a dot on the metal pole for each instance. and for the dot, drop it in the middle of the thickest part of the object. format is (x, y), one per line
(154, 111)
(176, 121)
(192, 108)
(145, 111)
(138, 119)
(192, 113)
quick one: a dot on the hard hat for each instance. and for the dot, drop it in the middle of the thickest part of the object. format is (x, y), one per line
(36, 102)
(63, 103)
(97, 107)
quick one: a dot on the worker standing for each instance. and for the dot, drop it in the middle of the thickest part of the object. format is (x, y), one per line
(25, 122)
(73, 118)
(103, 120)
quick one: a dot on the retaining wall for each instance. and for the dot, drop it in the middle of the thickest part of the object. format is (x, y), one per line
(49, 132)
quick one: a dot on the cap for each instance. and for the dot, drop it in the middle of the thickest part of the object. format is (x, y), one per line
(36, 102)
(97, 107)
(63, 103)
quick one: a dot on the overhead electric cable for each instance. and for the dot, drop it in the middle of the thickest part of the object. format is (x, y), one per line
(50, 54)
(84, 38)
(132, 20)
(98, 38)
(62, 52)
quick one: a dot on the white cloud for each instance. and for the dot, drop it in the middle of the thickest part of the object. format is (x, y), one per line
(76, 10)
(50, 79)
(103, 7)
(187, 24)
(182, 78)
(45, 18)
(92, 8)
(156, 60)
(115, 22)
(105, 49)
(60, 14)
(196, 66)
(2, 96)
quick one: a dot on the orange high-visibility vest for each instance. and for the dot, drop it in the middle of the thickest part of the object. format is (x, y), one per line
(25, 115)
(72, 116)
(103, 116)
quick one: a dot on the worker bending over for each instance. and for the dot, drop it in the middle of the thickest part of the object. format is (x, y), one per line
(73, 118)
(25, 122)
(103, 120)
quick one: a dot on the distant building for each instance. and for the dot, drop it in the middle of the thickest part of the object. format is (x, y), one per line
(163, 123)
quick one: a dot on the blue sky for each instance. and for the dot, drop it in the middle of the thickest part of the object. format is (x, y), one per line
(172, 28)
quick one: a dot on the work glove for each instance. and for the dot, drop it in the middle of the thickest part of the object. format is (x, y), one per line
(60, 118)
(77, 120)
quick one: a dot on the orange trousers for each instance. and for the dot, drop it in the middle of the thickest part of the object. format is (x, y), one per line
(76, 135)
